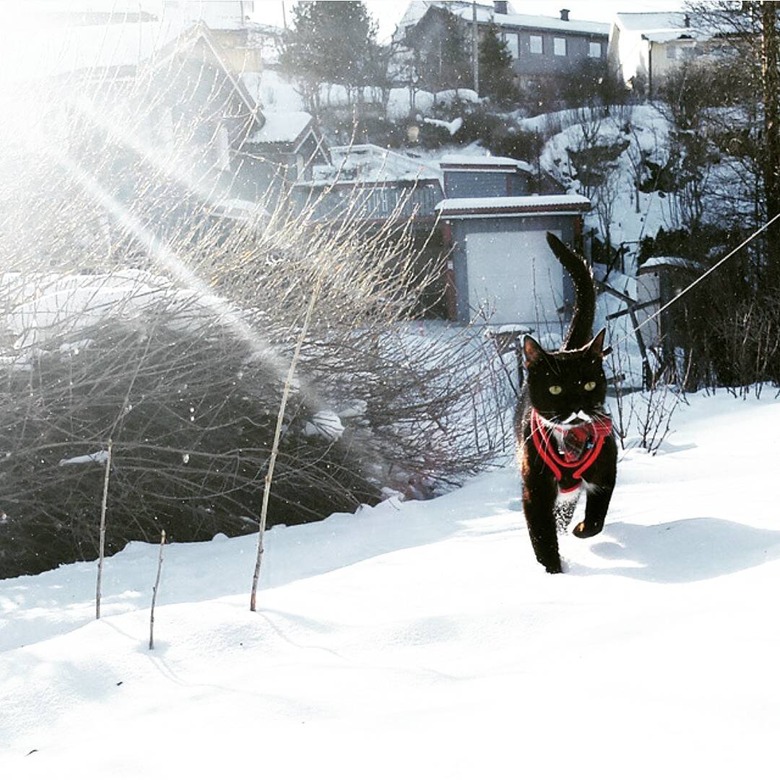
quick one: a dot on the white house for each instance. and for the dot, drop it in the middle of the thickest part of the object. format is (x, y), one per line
(644, 47)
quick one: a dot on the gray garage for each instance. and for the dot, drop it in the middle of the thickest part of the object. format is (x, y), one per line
(501, 270)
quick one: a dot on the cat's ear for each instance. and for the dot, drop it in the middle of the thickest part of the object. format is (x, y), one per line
(532, 350)
(596, 346)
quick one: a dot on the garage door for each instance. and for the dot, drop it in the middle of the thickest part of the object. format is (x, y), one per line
(514, 278)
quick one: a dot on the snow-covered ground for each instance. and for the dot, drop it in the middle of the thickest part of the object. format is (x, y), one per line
(421, 639)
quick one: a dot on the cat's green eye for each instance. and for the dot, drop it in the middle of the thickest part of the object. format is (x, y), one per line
(555, 390)
(590, 385)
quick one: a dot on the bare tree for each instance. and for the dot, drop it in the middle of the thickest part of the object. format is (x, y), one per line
(747, 32)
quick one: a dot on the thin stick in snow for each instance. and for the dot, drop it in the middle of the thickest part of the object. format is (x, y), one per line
(275, 448)
(155, 589)
(102, 544)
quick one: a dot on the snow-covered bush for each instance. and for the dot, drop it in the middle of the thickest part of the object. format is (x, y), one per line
(500, 134)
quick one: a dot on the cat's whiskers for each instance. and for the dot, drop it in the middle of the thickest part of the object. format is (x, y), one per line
(546, 422)
(527, 439)
(574, 420)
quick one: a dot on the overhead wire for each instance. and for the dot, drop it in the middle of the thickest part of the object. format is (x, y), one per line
(703, 276)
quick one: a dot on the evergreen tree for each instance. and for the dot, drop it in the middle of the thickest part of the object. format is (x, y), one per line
(496, 75)
(455, 54)
(330, 43)
(442, 54)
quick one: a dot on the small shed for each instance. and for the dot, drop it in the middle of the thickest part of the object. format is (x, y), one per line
(501, 269)
(658, 281)
(467, 176)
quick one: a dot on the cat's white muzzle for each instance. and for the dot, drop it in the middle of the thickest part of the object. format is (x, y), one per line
(577, 418)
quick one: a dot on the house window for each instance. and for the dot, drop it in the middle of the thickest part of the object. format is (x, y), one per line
(671, 52)
(559, 47)
(594, 50)
(536, 44)
(222, 148)
(512, 44)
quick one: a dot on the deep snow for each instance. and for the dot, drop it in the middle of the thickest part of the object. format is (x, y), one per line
(421, 639)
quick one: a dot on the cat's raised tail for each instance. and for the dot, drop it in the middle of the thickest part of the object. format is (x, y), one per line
(580, 330)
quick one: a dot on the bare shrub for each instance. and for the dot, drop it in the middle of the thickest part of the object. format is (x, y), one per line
(643, 414)
(729, 330)
(136, 309)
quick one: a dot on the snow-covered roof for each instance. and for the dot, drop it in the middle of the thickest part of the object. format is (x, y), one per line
(536, 22)
(482, 162)
(661, 27)
(368, 163)
(523, 204)
(654, 263)
(665, 36)
(486, 13)
(281, 127)
(416, 9)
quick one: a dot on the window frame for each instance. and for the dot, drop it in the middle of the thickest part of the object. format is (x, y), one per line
(512, 41)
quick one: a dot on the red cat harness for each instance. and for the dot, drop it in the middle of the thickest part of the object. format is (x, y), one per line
(569, 451)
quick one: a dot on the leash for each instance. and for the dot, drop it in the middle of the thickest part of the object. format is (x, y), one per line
(701, 278)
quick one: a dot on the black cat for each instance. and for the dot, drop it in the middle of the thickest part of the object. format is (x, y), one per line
(563, 433)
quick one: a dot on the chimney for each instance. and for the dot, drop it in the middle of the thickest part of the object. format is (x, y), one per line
(500, 7)
(687, 20)
(564, 14)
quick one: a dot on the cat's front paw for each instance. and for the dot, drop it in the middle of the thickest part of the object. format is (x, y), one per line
(584, 530)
